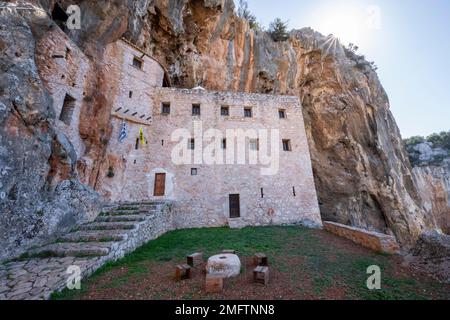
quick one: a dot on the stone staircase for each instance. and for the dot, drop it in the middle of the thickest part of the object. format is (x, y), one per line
(118, 230)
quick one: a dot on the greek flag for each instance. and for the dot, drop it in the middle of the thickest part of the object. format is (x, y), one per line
(123, 132)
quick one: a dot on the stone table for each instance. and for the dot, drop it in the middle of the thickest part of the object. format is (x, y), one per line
(225, 265)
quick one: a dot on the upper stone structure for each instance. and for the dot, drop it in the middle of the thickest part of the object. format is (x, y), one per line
(224, 158)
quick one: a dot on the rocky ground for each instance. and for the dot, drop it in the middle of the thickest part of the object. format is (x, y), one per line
(45, 269)
(304, 264)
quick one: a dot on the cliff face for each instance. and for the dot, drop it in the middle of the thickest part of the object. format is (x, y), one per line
(432, 173)
(33, 206)
(362, 173)
(361, 170)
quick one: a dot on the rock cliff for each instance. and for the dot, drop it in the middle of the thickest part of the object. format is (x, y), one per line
(361, 170)
(362, 173)
(432, 174)
(40, 194)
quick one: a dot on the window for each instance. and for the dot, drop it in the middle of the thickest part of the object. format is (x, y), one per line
(67, 110)
(191, 144)
(282, 113)
(194, 171)
(254, 144)
(166, 108)
(130, 94)
(138, 63)
(224, 111)
(224, 143)
(287, 145)
(195, 109)
(247, 112)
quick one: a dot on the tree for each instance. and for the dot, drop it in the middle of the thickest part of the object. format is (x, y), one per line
(278, 30)
(244, 13)
(352, 48)
(440, 140)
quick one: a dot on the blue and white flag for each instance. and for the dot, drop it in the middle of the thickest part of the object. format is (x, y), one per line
(123, 132)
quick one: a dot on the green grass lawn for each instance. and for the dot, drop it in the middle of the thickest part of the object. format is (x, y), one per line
(305, 264)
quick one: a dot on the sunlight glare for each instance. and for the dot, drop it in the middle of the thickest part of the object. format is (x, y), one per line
(349, 23)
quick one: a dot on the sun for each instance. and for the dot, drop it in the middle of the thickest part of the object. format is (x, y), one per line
(346, 22)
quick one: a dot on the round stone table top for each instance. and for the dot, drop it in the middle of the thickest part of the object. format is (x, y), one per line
(225, 265)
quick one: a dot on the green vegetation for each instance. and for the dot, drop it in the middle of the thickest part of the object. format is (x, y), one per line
(244, 13)
(440, 140)
(308, 262)
(278, 30)
(437, 140)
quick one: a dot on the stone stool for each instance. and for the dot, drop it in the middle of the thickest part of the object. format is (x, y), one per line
(195, 259)
(213, 283)
(261, 275)
(260, 259)
(183, 272)
(229, 251)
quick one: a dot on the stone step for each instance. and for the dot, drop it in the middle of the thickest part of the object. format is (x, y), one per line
(123, 212)
(107, 226)
(120, 218)
(137, 205)
(72, 249)
(94, 236)
(145, 203)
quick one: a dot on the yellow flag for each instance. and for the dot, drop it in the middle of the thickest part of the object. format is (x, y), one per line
(141, 136)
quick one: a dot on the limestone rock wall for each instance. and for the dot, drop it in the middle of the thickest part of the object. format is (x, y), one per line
(361, 170)
(434, 186)
(34, 206)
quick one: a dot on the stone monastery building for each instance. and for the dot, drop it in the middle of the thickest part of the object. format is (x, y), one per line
(154, 124)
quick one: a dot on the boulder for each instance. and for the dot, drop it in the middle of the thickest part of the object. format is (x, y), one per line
(225, 265)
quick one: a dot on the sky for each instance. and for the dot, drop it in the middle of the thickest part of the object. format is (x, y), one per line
(409, 40)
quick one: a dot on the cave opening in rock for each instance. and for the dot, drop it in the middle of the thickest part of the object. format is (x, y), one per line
(59, 16)
(166, 81)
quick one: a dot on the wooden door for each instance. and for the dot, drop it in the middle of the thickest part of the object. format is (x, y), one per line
(160, 184)
(235, 207)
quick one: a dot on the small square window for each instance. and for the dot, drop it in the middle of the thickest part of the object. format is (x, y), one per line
(224, 143)
(191, 144)
(195, 109)
(254, 144)
(67, 110)
(166, 108)
(287, 145)
(224, 111)
(248, 112)
(282, 113)
(194, 171)
(138, 63)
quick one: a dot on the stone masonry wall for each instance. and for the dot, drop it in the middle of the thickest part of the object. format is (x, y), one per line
(38, 277)
(376, 241)
(202, 200)
(64, 69)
